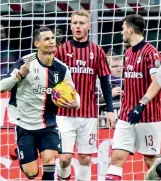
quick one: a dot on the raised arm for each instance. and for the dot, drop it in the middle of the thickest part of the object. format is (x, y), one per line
(18, 72)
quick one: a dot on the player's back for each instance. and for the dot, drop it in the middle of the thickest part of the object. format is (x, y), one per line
(35, 109)
(141, 62)
(85, 61)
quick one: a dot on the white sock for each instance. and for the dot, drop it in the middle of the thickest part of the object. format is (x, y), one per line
(63, 172)
(115, 170)
(84, 173)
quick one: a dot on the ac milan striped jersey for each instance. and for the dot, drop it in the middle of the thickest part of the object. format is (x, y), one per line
(32, 95)
(141, 61)
(86, 61)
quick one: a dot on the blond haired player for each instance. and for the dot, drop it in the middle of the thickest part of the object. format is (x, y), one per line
(86, 61)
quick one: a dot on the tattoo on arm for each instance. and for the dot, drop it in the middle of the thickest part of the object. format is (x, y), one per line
(144, 100)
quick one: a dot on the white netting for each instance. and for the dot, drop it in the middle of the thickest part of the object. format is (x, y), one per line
(18, 18)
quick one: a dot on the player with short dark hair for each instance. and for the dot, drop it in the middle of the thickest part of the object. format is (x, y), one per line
(141, 64)
(31, 82)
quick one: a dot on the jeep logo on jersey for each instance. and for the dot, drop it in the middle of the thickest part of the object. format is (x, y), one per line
(42, 90)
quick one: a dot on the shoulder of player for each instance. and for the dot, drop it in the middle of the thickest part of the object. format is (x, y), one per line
(60, 62)
(31, 56)
(128, 50)
(150, 49)
(96, 47)
(64, 45)
(23, 59)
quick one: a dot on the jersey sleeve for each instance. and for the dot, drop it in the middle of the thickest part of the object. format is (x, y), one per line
(11, 80)
(158, 76)
(68, 78)
(154, 61)
(14, 69)
(103, 68)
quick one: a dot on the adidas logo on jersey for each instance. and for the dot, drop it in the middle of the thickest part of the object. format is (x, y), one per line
(36, 78)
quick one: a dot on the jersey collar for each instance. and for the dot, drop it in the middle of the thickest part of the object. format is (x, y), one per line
(42, 63)
(139, 46)
(79, 44)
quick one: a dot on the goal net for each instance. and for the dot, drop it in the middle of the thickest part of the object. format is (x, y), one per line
(18, 20)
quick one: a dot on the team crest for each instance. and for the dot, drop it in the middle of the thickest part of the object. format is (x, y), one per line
(91, 55)
(139, 59)
(126, 58)
(56, 78)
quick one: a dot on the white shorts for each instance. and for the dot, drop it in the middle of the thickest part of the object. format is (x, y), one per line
(82, 131)
(143, 137)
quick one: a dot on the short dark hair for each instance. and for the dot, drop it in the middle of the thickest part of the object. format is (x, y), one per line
(36, 34)
(136, 21)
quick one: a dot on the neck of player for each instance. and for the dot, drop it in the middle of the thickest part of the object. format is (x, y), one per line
(84, 39)
(46, 58)
(136, 39)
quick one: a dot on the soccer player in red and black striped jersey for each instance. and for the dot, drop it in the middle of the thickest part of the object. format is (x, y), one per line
(141, 65)
(86, 61)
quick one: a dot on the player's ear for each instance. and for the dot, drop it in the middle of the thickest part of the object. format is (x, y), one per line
(131, 30)
(36, 44)
(89, 27)
(71, 26)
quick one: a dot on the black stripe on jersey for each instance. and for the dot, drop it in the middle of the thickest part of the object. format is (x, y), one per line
(12, 100)
(50, 108)
(16, 65)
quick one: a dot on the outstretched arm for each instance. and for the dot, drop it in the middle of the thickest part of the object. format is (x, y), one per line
(8, 83)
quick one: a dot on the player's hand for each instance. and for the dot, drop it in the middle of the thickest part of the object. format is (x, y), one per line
(63, 102)
(134, 115)
(110, 120)
(116, 91)
(75, 102)
(25, 69)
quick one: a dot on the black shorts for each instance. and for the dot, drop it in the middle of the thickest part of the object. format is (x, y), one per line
(31, 141)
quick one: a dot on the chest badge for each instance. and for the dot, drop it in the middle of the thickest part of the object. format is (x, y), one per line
(91, 55)
(56, 78)
(139, 60)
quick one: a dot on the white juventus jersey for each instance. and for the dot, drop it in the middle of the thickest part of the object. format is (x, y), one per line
(158, 76)
(32, 95)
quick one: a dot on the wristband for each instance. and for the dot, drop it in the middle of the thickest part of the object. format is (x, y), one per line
(20, 75)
